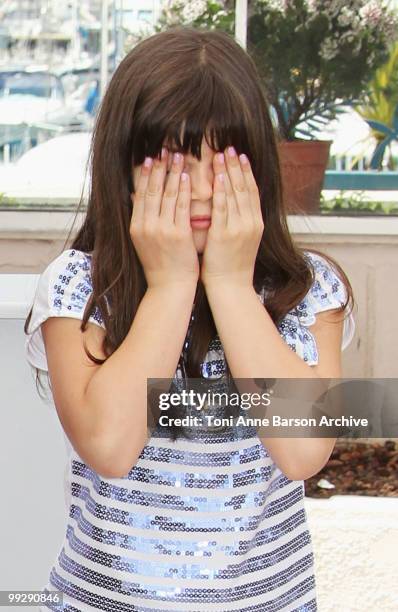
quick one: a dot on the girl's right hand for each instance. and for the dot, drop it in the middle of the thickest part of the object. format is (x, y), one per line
(160, 226)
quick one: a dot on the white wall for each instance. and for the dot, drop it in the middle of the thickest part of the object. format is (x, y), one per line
(32, 457)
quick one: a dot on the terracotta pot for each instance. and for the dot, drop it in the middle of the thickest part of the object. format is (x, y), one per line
(303, 166)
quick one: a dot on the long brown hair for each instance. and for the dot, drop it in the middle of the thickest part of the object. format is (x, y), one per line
(205, 81)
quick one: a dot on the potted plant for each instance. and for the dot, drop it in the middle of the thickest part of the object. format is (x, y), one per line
(313, 56)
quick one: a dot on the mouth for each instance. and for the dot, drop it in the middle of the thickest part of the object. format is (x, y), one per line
(200, 222)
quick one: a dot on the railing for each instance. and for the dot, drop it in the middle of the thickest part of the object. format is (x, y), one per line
(371, 180)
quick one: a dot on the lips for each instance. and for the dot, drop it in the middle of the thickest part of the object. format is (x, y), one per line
(200, 222)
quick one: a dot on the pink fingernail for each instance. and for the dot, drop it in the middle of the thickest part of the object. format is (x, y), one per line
(243, 158)
(148, 162)
(220, 157)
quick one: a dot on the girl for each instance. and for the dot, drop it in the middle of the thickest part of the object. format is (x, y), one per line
(184, 266)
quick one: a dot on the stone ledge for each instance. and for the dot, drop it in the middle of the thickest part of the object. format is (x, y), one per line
(55, 223)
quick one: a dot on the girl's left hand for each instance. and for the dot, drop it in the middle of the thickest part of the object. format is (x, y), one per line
(236, 224)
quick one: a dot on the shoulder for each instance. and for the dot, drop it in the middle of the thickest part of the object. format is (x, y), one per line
(327, 292)
(68, 280)
(65, 284)
(62, 290)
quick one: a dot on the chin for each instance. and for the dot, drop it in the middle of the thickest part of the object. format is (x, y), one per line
(199, 238)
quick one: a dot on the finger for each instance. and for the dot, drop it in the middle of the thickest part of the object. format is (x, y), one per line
(154, 191)
(233, 215)
(232, 207)
(171, 189)
(183, 204)
(252, 187)
(238, 183)
(138, 197)
(219, 215)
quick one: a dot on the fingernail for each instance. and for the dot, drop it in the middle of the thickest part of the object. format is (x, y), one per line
(148, 162)
(220, 157)
(231, 152)
(164, 152)
(176, 158)
(243, 158)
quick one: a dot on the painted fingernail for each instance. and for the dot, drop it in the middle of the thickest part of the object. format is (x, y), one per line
(148, 162)
(231, 152)
(164, 152)
(176, 158)
(220, 157)
(243, 158)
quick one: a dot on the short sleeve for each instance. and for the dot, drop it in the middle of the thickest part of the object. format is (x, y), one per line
(63, 290)
(326, 293)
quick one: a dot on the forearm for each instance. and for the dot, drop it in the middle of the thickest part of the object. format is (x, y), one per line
(252, 343)
(254, 348)
(117, 393)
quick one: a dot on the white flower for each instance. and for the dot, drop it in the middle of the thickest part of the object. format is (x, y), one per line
(190, 9)
(346, 17)
(329, 49)
(371, 12)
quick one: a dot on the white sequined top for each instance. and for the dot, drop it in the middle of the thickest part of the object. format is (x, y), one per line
(202, 525)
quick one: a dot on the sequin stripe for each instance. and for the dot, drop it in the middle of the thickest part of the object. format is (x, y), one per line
(240, 468)
(159, 591)
(188, 523)
(91, 598)
(310, 606)
(183, 479)
(222, 444)
(306, 589)
(233, 456)
(192, 575)
(215, 505)
(212, 552)
(275, 605)
(134, 500)
(160, 567)
(209, 547)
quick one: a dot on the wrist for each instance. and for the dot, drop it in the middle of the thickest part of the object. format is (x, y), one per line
(227, 285)
(174, 288)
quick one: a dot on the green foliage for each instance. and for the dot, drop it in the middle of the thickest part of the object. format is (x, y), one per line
(356, 202)
(380, 108)
(6, 200)
(315, 56)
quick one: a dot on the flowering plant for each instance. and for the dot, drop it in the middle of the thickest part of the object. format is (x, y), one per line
(313, 55)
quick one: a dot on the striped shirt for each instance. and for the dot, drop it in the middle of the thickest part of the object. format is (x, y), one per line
(204, 524)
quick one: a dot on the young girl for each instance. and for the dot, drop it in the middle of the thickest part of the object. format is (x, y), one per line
(184, 267)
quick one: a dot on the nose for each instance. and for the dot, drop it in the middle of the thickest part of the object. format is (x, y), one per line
(201, 183)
